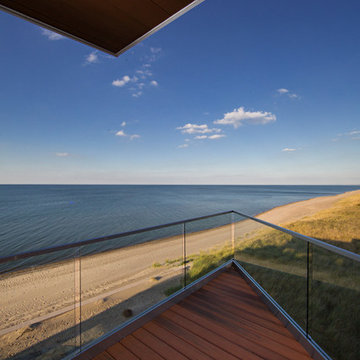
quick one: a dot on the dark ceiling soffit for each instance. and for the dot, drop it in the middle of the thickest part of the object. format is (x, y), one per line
(141, 38)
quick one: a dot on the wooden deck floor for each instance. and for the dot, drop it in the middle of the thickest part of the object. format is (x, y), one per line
(225, 320)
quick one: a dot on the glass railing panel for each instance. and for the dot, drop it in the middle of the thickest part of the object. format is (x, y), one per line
(37, 307)
(277, 261)
(123, 277)
(208, 245)
(334, 304)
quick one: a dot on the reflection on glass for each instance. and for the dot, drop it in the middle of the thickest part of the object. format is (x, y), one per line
(123, 281)
(37, 309)
(334, 304)
(278, 262)
(208, 245)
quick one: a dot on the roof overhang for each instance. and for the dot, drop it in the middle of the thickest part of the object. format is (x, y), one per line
(112, 26)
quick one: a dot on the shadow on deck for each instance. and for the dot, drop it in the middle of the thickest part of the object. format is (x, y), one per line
(222, 317)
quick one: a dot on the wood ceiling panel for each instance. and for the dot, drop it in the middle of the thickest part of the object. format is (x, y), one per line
(110, 25)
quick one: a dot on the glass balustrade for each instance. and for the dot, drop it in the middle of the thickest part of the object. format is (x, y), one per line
(277, 261)
(54, 303)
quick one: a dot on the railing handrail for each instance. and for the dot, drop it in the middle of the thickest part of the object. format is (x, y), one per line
(52, 249)
(331, 248)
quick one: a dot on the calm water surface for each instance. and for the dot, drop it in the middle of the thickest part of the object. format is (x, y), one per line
(38, 216)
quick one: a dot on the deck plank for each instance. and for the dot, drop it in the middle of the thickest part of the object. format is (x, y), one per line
(139, 349)
(225, 319)
(174, 341)
(120, 352)
(289, 343)
(195, 340)
(230, 334)
(161, 347)
(211, 336)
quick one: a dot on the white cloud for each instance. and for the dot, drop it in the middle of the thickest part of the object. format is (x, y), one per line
(62, 154)
(131, 137)
(52, 35)
(282, 91)
(294, 96)
(123, 123)
(239, 116)
(197, 129)
(121, 82)
(288, 93)
(183, 146)
(120, 133)
(142, 78)
(92, 58)
(216, 136)
(288, 150)
(210, 137)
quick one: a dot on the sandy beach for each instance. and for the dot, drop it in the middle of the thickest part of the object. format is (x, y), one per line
(37, 306)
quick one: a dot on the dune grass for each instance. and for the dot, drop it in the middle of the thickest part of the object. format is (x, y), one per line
(278, 262)
(338, 225)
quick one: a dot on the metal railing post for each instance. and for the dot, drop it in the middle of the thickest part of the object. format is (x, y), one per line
(184, 254)
(233, 234)
(308, 286)
(77, 298)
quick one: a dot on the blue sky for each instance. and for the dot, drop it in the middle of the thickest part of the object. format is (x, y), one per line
(250, 92)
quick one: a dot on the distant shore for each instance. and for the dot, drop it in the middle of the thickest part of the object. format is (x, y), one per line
(45, 295)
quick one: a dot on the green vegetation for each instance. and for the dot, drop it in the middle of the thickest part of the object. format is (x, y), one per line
(339, 225)
(278, 262)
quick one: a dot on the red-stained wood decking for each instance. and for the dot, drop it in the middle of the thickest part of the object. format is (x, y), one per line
(225, 319)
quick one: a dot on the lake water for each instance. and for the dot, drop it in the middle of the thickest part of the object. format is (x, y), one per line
(39, 216)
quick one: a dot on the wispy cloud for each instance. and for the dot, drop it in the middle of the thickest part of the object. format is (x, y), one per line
(51, 35)
(353, 135)
(197, 129)
(142, 77)
(123, 123)
(209, 137)
(122, 133)
(137, 94)
(216, 136)
(289, 150)
(62, 154)
(239, 116)
(183, 146)
(288, 93)
(92, 58)
(135, 136)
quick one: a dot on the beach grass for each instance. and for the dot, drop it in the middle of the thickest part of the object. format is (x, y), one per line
(278, 262)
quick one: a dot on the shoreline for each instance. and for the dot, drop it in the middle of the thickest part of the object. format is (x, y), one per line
(115, 277)
(297, 208)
